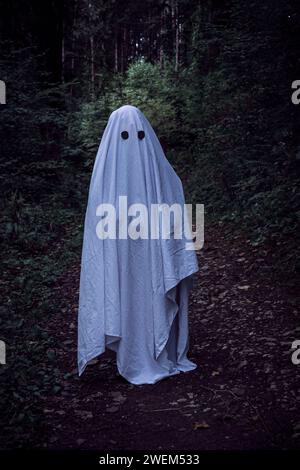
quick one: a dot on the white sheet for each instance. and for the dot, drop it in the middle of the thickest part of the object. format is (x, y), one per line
(134, 293)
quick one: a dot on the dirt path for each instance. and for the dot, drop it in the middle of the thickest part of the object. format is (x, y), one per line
(243, 395)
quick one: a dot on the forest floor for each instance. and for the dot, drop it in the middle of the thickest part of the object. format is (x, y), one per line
(244, 393)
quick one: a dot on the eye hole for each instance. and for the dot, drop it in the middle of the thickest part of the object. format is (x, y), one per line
(124, 135)
(141, 134)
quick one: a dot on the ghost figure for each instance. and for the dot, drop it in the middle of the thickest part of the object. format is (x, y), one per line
(134, 290)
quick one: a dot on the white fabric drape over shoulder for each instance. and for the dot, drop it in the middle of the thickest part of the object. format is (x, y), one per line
(134, 292)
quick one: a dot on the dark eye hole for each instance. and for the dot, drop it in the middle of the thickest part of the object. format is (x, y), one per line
(124, 135)
(141, 134)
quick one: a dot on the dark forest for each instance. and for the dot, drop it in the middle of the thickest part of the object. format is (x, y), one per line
(215, 80)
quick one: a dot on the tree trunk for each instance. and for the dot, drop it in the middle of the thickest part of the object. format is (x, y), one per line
(92, 65)
(73, 44)
(161, 34)
(116, 51)
(92, 53)
(177, 38)
(63, 57)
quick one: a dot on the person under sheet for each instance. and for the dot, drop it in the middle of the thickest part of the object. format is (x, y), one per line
(134, 282)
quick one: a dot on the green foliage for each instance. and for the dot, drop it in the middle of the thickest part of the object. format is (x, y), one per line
(242, 162)
(150, 89)
(40, 234)
(144, 86)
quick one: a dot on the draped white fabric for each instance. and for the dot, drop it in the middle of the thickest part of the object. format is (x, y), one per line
(134, 292)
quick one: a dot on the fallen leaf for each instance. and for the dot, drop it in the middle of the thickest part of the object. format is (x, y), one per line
(215, 372)
(112, 409)
(80, 441)
(202, 425)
